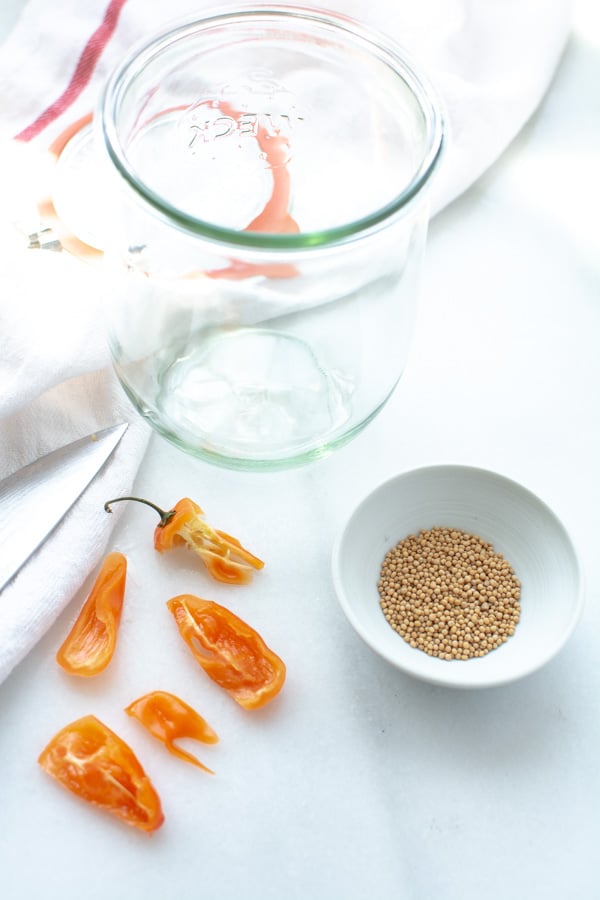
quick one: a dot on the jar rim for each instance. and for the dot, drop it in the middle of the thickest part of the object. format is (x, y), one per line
(386, 49)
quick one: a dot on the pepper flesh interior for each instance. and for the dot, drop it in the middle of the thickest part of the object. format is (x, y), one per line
(223, 555)
(231, 653)
(168, 718)
(94, 763)
(90, 645)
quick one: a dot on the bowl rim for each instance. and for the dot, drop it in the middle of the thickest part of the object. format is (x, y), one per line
(460, 682)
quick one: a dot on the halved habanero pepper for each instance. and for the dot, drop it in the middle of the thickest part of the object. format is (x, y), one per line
(94, 763)
(167, 718)
(223, 555)
(90, 644)
(232, 653)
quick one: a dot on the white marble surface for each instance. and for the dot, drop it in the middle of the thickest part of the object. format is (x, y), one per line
(358, 782)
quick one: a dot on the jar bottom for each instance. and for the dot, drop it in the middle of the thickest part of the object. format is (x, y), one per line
(249, 398)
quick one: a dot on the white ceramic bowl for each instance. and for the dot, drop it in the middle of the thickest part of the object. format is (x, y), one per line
(515, 521)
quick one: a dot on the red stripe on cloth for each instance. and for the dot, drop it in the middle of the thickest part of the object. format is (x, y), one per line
(82, 74)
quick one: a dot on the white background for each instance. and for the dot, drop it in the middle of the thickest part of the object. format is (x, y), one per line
(358, 782)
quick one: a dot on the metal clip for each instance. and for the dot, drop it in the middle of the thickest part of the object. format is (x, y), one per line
(44, 239)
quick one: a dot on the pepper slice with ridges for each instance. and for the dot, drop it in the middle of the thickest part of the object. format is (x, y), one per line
(95, 764)
(90, 644)
(168, 718)
(232, 653)
(223, 555)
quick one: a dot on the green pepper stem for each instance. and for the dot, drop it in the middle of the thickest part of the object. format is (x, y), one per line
(165, 515)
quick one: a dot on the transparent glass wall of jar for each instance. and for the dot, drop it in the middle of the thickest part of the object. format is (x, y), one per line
(270, 172)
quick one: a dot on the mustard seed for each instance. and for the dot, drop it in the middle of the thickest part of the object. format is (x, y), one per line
(460, 599)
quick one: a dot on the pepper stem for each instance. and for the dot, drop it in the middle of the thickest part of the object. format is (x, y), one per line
(165, 515)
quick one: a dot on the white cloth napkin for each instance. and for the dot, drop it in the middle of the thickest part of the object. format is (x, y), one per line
(55, 386)
(491, 63)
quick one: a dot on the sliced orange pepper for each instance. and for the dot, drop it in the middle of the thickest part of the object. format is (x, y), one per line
(224, 557)
(90, 644)
(167, 718)
(232, 653)
(94, 763)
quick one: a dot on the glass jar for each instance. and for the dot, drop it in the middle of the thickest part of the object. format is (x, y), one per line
(270, 169)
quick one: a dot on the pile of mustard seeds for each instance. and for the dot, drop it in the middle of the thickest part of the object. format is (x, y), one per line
(449, 593)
